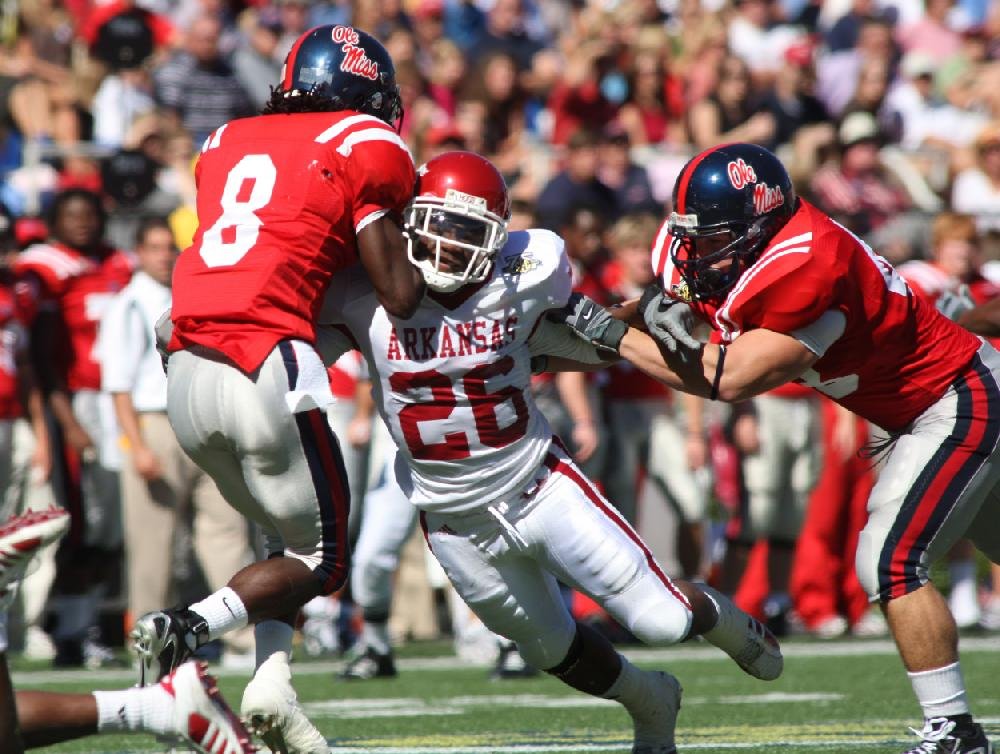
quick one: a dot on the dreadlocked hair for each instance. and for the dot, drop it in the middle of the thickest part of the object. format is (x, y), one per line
(287, 103)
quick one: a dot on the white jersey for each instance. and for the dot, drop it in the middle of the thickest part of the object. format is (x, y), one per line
(452, 383)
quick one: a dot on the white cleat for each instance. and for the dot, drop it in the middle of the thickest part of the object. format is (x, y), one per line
(272, 712)
(201, 715)
(744, 638)
(21, 537)
(654, 728)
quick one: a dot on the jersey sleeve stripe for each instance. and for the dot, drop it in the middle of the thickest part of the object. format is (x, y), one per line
(723, 313)
(372, 134)
(341, 126)
(369, 219)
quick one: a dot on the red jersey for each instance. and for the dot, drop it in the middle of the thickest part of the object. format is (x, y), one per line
(79, 287)
(280, 199)
(13, 341)
(896, 356)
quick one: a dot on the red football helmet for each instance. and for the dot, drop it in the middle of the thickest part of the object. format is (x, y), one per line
(461, 202)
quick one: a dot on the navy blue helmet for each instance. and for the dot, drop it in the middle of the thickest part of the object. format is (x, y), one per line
(346, 68)
(729, 202)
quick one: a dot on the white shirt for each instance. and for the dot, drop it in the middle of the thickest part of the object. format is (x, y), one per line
(126, 344)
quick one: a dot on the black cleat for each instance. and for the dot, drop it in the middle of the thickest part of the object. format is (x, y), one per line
(510, 664)
(161, 640)
(369, 664)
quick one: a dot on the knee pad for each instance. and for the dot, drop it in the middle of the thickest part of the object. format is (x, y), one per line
(662, 623)
(547, 649)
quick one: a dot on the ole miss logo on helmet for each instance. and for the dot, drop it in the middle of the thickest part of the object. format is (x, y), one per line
(355, 61)
(765, 198)
(740, 174)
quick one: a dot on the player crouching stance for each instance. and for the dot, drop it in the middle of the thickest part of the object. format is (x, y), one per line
(503, 507)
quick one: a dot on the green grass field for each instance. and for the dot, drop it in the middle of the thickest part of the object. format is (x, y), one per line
(833, 697)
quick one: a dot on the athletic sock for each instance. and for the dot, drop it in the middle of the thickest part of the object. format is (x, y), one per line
(223, 611)
(375, 634)
(150, 709)
(272, 636)
(941, 692)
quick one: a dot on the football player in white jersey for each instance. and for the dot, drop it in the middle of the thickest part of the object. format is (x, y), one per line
(503, 507)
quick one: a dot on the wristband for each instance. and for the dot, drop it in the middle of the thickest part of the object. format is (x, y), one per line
(714, 395)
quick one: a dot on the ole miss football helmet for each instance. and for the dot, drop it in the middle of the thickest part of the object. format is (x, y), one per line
(345, 67)
(729, 202)
(457, 221)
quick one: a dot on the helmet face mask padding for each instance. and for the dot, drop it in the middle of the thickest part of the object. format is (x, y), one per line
(729, 201)
(457, 222)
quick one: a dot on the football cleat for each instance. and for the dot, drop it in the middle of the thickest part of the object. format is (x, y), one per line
(21, 537)
(272, 712)
(160, 639)
(744, 638)
(939, 736)
(654, 727)
(510, 664)
(369, 664)
(201, 715)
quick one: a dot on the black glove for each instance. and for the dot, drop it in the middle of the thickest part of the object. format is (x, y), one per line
(669, 321)
(591, 322)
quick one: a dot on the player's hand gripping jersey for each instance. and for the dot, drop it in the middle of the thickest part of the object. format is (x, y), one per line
(280, 199)
(453, 383)
(885, 353)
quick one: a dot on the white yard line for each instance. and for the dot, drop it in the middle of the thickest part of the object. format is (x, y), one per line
(681, 653)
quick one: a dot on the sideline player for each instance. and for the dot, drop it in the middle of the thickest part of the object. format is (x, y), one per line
(286, 200)
(503, 506)
(186, 705)
(75, 276)
(793, 295)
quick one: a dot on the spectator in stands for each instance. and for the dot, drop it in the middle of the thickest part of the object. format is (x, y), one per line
(757, 36)
(837, 73)
(932, 34)
(255, 61)
(652, 112)
(912, 100)
(505, 31)
(197, 88)
(495, 87)
(731, 113)
(976, 190)
(854, 187)
(621, 174)
(843, 35)
(121, 99)
(577, 101)
(576, 184)
(800, 119)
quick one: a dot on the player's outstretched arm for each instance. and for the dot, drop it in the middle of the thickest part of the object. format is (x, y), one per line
(398, 284)
(754, 363)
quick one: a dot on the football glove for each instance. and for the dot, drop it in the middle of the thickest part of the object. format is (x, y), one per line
(952, 304)
(669, 321)
(591, 322)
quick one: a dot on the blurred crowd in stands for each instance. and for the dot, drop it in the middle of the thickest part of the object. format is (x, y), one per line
(886, 112)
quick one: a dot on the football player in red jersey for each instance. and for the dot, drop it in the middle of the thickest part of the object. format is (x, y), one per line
(285, 200)
(792, 295)
(74, 277)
